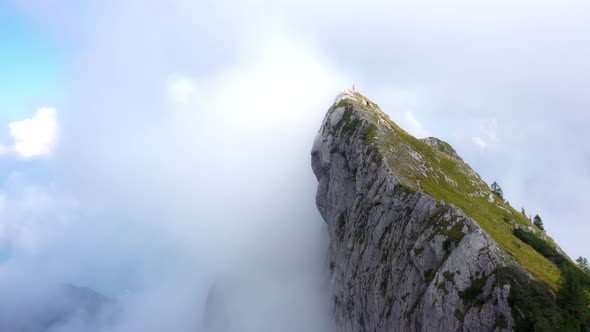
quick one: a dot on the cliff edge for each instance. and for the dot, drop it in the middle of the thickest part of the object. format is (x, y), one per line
(418, 242)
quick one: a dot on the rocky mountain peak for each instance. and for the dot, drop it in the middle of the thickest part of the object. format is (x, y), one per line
(418, 241)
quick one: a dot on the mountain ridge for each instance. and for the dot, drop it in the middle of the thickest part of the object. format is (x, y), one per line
(381, 190)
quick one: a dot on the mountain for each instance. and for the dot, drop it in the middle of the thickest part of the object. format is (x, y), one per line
(65, 308)
(419, 242)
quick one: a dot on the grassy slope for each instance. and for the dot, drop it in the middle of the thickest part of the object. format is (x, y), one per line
(451, 180)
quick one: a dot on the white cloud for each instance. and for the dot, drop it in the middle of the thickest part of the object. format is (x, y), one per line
(490, 129)
(414, 126)
(35, 136)
(488, 136)
(31, 215)
(180, 89)
(480, 142)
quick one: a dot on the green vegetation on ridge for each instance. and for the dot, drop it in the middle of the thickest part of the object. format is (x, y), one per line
(432, 166)
(446, 178)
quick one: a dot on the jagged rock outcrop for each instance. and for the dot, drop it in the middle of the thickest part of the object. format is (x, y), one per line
(401, 260)
(216, 317)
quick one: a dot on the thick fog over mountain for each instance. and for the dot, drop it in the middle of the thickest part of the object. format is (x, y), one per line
(180, 159)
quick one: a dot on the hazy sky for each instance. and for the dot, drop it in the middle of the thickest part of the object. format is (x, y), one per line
(148, 144)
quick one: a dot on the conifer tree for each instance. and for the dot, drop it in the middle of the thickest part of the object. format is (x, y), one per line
(583, 263)
(537, 221)
(497, 190)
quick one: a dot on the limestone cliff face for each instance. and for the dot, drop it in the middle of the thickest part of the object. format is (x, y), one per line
(401, 260)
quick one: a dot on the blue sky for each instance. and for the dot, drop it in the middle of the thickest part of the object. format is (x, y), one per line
(30, 66)
(31, 70)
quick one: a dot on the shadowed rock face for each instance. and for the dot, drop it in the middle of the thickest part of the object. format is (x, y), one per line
(216, 317)
(399, 259)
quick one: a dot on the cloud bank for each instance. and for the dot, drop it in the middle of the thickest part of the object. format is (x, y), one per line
(186, 178)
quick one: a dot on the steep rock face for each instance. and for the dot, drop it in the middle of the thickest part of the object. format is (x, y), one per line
(400, 260)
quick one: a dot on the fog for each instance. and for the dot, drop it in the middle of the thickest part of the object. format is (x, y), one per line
(183, 176)
(183, 164)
